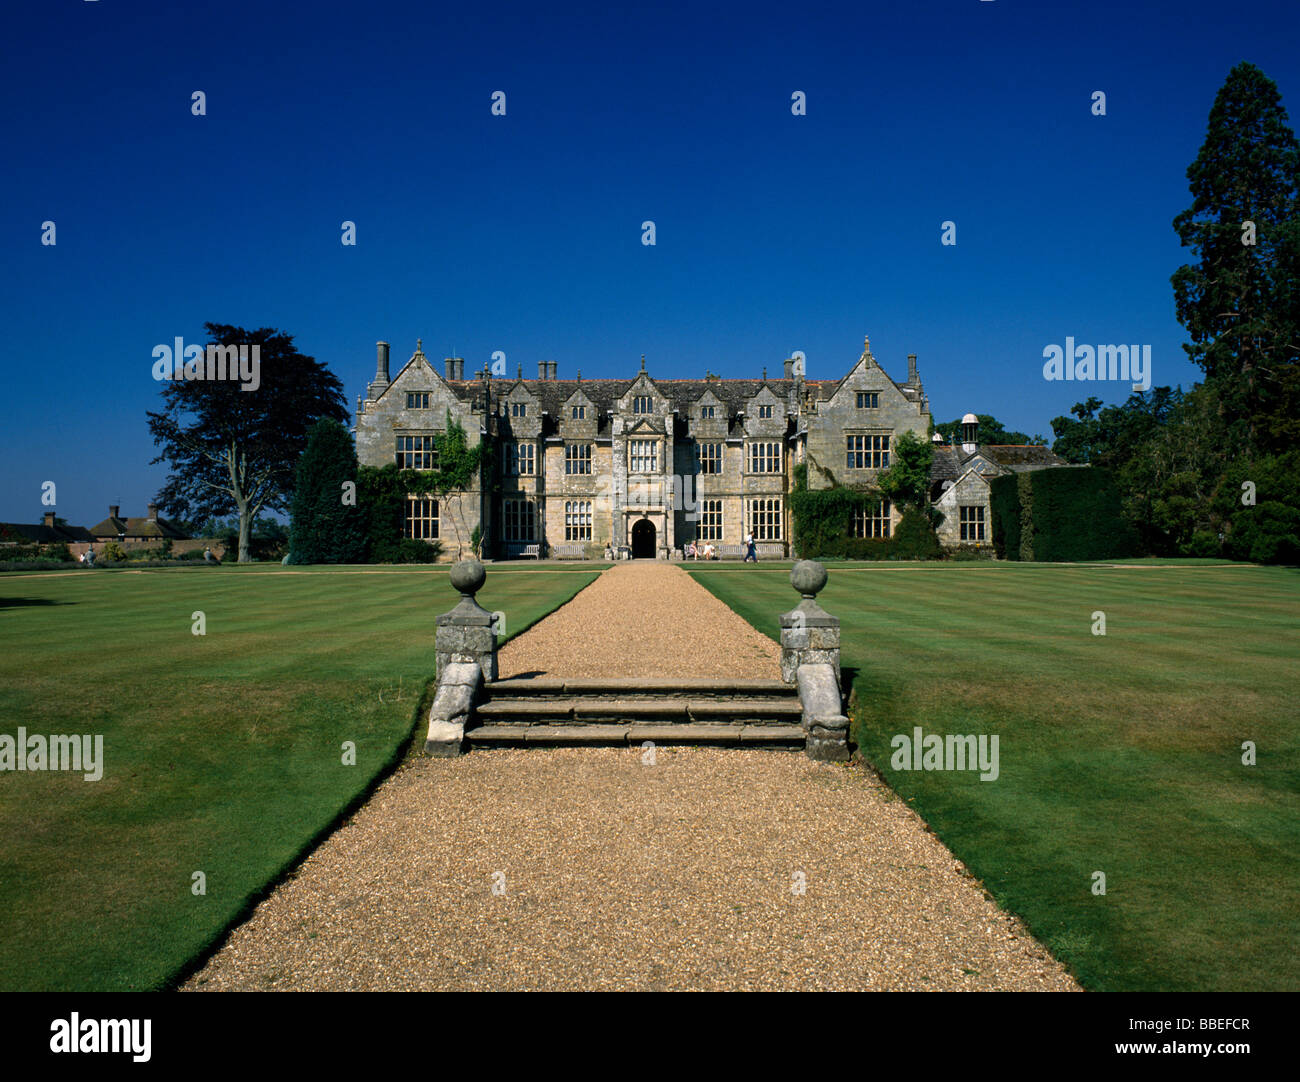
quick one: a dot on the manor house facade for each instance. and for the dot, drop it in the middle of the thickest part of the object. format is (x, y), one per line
(640, 466)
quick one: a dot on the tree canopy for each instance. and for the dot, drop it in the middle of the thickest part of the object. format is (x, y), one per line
(1240, 299)
(327, 524)
(234, 450)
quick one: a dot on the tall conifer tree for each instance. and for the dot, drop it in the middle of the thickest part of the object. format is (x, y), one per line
(1240, 301)
(327, 527)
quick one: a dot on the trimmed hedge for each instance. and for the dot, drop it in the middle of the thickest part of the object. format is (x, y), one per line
(1004, 504)
(1061, 515)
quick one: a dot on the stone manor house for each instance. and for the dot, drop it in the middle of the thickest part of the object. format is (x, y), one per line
(642, 466)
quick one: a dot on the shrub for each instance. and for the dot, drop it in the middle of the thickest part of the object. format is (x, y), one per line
(915, 539)
(408, 550)
(1268, 533)
(869, 548)
(822, 518)
(325, 529)
(113, 553)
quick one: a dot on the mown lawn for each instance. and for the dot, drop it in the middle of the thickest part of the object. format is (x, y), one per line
(1120, 754)
(223, 752)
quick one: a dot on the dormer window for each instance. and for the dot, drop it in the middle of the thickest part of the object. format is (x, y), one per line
(764, 412)
(518, 409)
(642, 403)
(707, 413)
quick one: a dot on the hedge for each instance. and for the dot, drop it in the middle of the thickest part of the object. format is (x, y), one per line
(1061, 515)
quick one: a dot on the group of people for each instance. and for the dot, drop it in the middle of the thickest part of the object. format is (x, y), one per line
(704, 550)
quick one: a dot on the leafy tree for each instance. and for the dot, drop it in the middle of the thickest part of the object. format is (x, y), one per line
(1240, 302)
(327, 526)
(907, 481)
(1116, 434)
(232, 450)
(990, 430)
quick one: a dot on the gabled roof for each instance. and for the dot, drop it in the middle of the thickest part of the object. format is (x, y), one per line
(1019, 457)
(42, 534)
(114, 527)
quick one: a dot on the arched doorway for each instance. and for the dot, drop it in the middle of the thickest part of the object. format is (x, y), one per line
(643, 540)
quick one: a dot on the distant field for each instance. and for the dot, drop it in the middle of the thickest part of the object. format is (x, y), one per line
(223, 752)
(1120, 754)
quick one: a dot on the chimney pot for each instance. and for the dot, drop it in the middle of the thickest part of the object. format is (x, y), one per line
(113, 509)
(49, 518)
(153, 512)
(541, 369)
(789, 368)
(381, 362)
(911, 368)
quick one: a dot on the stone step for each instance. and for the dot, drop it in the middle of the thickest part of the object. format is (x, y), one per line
(673, 710)
(523, 734)
(640, 689)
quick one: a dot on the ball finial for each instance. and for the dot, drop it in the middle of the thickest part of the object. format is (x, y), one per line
(808, 577)
(468, 577)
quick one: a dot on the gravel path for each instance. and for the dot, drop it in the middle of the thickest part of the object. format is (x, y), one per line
(621, 875)
(644, 618)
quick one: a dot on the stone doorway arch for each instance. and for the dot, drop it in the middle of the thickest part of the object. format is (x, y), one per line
(643, 540)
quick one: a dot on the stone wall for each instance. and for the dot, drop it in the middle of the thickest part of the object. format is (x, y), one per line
(970, 489)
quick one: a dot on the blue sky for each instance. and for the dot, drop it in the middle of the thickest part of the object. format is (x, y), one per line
(522, 233)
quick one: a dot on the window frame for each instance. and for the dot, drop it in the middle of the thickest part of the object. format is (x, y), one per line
(577, 455)
(759, 457)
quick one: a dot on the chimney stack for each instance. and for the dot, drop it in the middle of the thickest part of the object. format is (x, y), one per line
(381, 362)
(541, 369)
(113, 509)
(49, 518)
(550, 368)
(911, 369)
(153, 512)
(449, 364)
(789, 368)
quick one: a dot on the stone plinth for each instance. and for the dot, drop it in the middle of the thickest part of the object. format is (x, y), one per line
(809, 634)
(810, 658)
(466, 633)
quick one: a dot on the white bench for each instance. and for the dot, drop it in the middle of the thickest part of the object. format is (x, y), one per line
(570, 551)
(535, 551)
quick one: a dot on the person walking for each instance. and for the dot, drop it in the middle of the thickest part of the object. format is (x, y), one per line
(750, 552)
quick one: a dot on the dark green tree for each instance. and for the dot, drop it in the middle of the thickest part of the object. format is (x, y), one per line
(327, 526)
(234, 450)
(990, 430)
(1239, 300)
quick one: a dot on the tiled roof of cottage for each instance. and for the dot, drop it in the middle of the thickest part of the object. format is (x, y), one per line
(45, 535)
(1019, 457)
(114, 527)
(946, 464)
